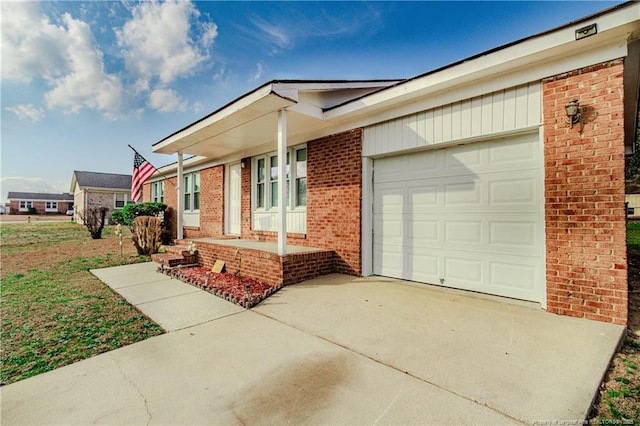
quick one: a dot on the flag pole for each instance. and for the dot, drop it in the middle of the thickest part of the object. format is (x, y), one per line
(151, 164)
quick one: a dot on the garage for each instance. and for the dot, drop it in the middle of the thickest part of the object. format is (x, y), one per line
(466, 216)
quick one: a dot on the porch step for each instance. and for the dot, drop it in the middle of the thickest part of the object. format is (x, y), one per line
(175, 256)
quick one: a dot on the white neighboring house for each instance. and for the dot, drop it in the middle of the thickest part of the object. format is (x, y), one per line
(95, 189)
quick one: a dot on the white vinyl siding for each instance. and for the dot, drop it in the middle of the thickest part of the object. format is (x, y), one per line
(499, 112)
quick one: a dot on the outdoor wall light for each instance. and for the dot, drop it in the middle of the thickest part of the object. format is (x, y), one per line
(574, 113)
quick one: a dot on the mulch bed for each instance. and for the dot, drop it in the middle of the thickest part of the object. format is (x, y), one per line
(243, 291)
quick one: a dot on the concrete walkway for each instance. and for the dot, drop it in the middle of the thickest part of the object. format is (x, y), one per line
(335, 350)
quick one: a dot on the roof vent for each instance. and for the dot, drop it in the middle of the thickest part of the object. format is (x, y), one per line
(587, 31)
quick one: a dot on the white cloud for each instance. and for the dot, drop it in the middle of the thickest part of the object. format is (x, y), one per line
(65, 55)
(278, 35)
(31, 45)
(27, 112)
(157, 42)
(166, 100)
(257, 75)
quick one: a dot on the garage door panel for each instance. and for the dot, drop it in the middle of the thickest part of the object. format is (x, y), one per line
(473, 220)
(512, 191)
(513, 234)
(463, 231)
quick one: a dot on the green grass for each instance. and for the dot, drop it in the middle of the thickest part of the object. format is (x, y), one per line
(57, 312)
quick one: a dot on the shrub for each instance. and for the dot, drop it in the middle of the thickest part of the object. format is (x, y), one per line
(132, 211)
(94, 219)
(146, 234)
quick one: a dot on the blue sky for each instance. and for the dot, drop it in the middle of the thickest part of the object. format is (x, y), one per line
(81, 80)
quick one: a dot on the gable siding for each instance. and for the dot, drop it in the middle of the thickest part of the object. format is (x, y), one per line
(498, 112)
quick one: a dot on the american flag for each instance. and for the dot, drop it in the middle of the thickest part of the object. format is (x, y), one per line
(142, 170)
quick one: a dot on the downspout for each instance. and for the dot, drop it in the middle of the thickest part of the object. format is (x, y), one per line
(282, 182)
(179, 178)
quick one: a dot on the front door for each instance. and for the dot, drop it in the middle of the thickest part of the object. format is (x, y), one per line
(234, 199)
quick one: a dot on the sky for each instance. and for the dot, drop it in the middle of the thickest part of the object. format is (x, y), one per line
(82, 80)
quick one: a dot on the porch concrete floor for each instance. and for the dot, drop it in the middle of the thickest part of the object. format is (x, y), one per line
(256, 245)
(333, 350)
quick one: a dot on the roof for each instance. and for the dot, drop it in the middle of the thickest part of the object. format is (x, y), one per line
(39, 196)
(248, 125)
(97, 180)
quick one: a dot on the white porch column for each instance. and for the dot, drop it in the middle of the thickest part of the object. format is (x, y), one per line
(180, 196)
(282, 182)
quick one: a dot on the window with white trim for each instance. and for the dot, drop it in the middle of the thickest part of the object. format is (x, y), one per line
(25, 205)
(265, 186)
(51, 206)
(122, 199)
(157, 192)
(192, 191)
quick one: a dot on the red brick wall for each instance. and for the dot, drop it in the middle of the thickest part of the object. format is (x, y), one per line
(584, 192)
(171, 200)
(212, 202)
(265, 266)
(334, 196)
(40, 206)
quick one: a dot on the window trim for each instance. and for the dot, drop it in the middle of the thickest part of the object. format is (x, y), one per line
(53, 206)
(27, 205)
(125, 197)
(292, 196)
(154, 191)
(191, 191)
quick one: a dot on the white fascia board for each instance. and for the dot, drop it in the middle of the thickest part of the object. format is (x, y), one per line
(241, 104)
(617, 25)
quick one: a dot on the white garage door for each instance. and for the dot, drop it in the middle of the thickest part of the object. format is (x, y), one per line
(467, 217)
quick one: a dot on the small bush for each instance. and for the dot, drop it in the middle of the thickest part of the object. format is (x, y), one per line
(146, 234)
(94, 219)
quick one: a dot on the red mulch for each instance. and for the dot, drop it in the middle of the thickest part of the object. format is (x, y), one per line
(244, 291)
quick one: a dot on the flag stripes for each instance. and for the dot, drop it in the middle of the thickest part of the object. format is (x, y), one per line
(142, 170)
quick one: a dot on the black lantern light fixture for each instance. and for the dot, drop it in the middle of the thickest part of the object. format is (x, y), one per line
(574, 113)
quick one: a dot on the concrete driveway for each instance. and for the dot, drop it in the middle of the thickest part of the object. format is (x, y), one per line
(335, 350)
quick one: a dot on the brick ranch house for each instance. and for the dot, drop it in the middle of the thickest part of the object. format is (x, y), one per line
(96, 189)
(41, 203)
(468, 177)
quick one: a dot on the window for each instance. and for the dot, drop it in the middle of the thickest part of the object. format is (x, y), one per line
(121, 199)
(51, 206)
(26, 205)
(266, 188)
(260, 185)
(192, 191)
(301, 177)
(157, 192)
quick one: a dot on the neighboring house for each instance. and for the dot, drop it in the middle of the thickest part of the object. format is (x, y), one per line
(94, 189)
(632, 198)
(39, 203)
(468, 177)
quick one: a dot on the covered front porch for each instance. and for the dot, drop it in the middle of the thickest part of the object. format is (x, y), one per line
(260, 260)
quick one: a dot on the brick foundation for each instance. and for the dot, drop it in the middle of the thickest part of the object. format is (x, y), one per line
(265, 266)
(586, 259)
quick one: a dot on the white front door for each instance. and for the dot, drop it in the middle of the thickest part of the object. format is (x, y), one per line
(234, 200)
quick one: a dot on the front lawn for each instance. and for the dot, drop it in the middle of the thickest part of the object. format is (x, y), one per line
(53, 310)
